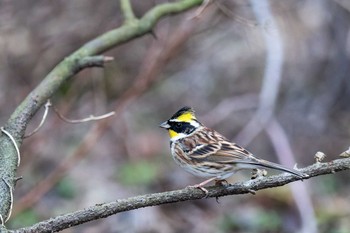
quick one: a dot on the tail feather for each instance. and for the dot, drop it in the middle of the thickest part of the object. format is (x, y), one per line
(267, 164)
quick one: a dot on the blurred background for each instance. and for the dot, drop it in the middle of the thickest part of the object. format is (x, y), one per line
(272, 76)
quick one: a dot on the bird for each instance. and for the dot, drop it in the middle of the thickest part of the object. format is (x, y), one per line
(206, 153)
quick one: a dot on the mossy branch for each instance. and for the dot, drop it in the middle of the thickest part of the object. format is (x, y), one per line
(66, 69)
(104, 210)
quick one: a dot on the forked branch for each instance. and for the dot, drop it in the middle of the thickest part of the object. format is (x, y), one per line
(86, 56)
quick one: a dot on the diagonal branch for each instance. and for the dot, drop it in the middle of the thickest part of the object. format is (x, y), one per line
(108, 209)
(68, 67)
(152, 65)
(71, 65)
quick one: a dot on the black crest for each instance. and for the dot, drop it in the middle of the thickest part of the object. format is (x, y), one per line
(182, 111)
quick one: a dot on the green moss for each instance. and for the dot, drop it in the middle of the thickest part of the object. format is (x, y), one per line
(257, 221)
(142, 172)
(269, 221)
(65, 188)
(26, 218)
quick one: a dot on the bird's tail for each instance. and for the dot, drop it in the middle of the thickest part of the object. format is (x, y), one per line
(267, 164)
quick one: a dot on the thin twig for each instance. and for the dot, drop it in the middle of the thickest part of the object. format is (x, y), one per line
(47, 106)
(104, 210)
(127, 11)
(87, 119)
(201, 9)
(228, 12)
(14, 144)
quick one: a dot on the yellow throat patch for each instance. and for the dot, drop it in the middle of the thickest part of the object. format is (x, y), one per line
(172, 133)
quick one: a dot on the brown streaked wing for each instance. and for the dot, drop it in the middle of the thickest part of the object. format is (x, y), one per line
(204, 150)
(230, 152)
(213, 147)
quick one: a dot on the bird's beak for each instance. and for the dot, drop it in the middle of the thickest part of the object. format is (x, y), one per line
(164, 125)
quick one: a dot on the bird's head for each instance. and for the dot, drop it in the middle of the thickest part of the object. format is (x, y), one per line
(181, 124)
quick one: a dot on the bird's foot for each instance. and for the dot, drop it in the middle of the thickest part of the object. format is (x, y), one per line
(221, 183)
(199, 186)
(258, 173)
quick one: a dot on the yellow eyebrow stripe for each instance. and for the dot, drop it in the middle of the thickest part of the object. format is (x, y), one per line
(186, 117)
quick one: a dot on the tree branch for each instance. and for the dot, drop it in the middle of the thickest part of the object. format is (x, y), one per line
(66, 69)
(104, 210)
(147, 76)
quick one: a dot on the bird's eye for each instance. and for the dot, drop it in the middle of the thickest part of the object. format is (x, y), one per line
(178, 125)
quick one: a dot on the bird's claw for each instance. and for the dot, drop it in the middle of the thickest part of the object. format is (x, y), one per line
(223, 183)
(198, 186)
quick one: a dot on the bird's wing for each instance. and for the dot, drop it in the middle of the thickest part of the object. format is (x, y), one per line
(211, 147)
(215, 148)
(221, 151)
